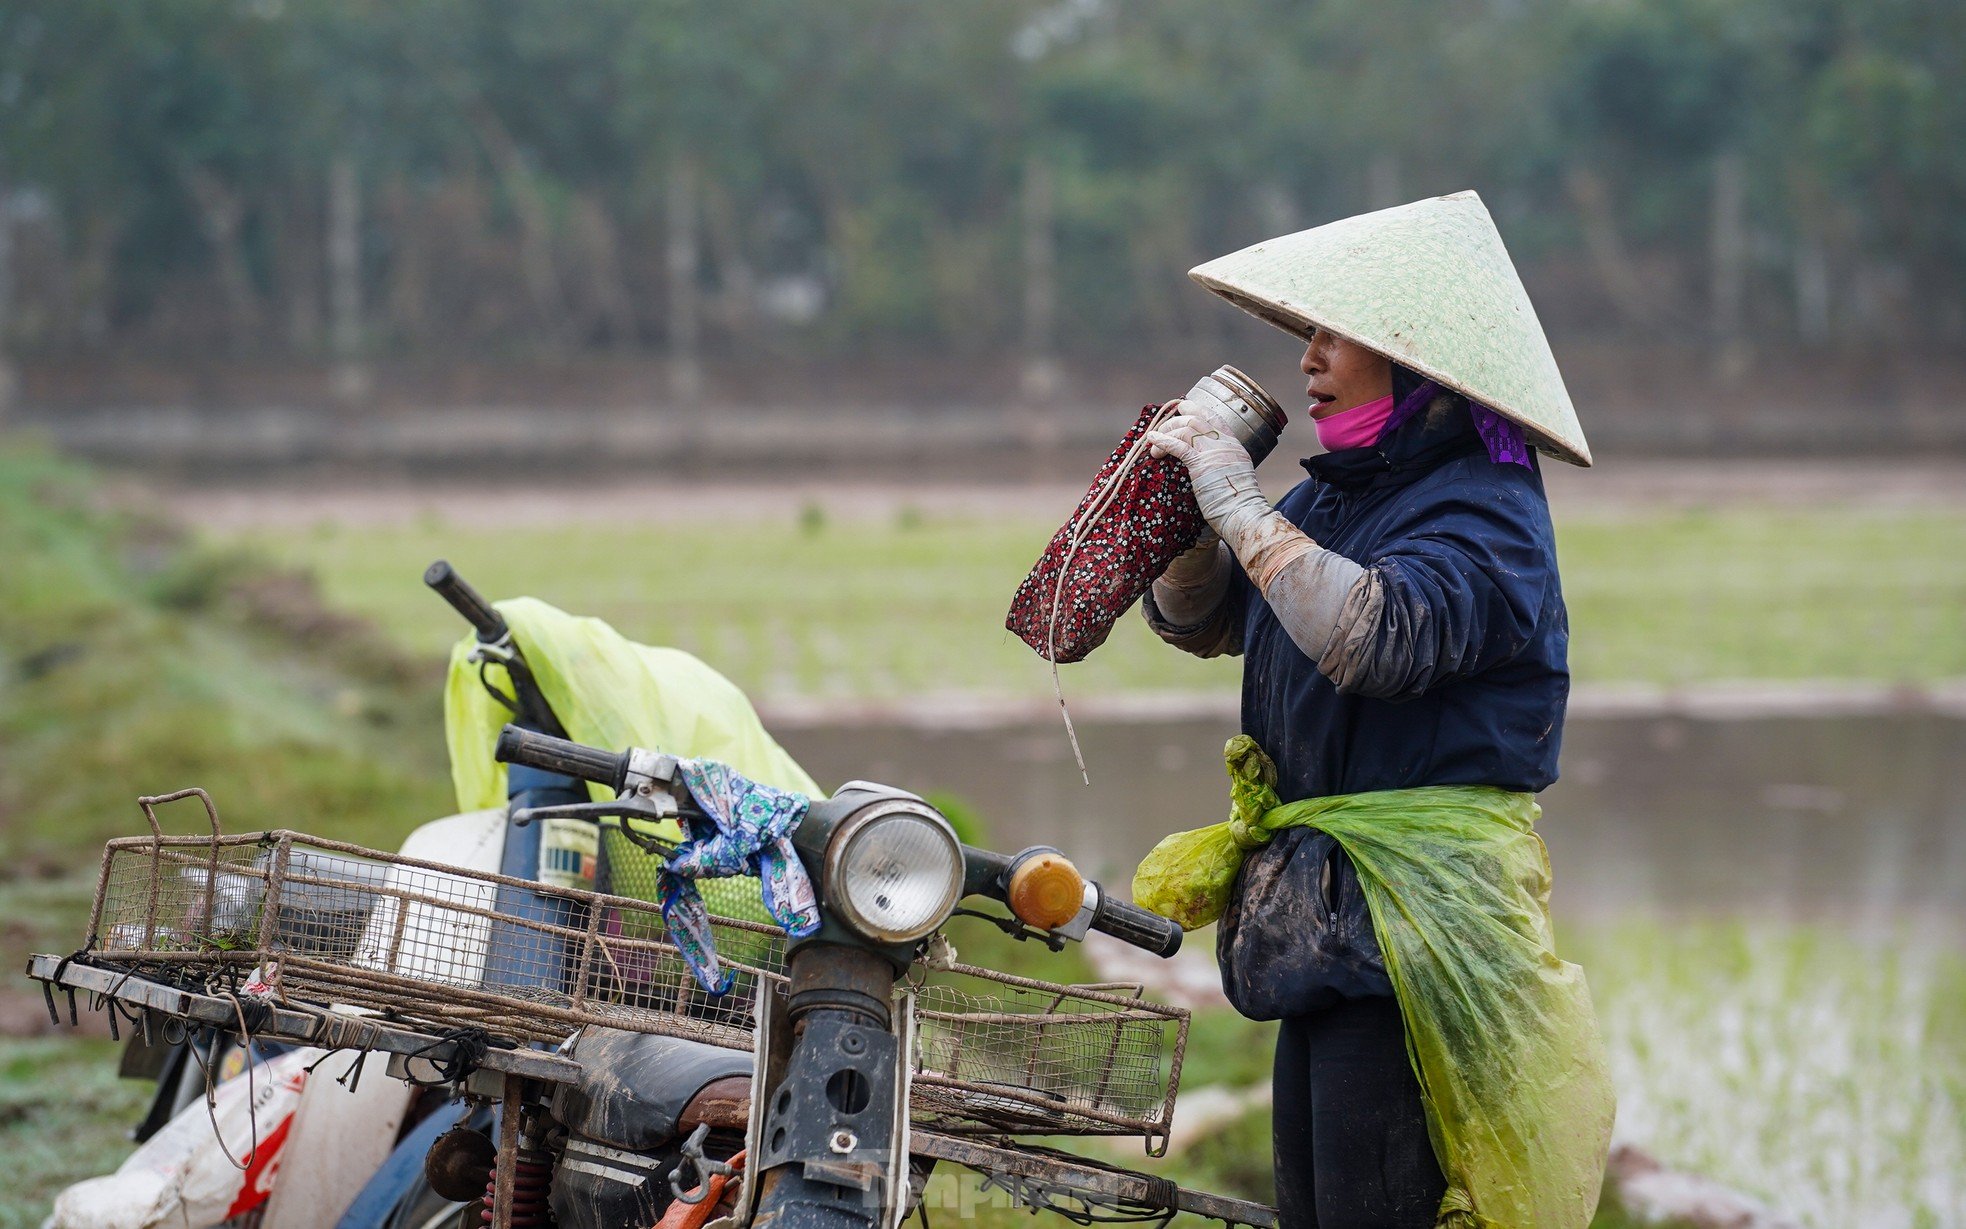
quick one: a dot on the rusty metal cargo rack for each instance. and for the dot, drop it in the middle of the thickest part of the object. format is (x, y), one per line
(1013, 1055)
(321, 922)
(318, 922)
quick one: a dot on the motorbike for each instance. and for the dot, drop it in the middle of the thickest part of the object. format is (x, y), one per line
(551, 1061)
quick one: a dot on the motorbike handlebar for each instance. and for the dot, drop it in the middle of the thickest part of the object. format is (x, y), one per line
(1127, 923)
(986, 872)
(1131, 924)
(467, 601)
(550, 754)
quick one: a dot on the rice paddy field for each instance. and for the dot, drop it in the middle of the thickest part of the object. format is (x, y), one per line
(1819, 1070)
(813, 606)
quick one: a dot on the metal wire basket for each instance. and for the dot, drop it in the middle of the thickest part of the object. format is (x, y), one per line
(1013, 1055)
(316, 922)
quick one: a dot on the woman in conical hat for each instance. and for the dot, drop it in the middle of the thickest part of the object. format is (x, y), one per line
(1404, 636)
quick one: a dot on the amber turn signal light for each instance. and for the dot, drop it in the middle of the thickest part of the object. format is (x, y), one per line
(1045, 890)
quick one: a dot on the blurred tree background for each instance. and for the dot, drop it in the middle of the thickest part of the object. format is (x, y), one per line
(352, 179)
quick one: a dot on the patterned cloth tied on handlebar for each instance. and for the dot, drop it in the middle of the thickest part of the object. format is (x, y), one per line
(609, 691)
(751, 828)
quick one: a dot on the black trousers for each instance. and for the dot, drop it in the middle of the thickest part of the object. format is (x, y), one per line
(1350, 1132)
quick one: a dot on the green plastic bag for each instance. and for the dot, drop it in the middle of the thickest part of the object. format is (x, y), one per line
(1500, 1031)
(610, 692)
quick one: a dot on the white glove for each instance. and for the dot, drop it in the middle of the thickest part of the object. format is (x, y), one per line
(1310, 589)
(1224, 477)
(1231, 502)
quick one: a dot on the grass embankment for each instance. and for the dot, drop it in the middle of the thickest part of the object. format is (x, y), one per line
(64, 1116)
(914, 605)
(135, 661)
(132, 661)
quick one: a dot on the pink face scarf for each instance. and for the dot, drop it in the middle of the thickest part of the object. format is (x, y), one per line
(1372, 422)
(1356, 427)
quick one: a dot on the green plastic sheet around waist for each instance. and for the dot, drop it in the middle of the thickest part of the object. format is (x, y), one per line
(1501, 1032)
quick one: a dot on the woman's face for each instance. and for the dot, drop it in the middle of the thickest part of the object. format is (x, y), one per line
(1343, 374)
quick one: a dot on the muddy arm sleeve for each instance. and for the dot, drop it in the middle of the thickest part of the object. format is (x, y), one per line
(1439, 606)
(1462, 591)
(1308, 587)
(1193, 607)
(1195, 583)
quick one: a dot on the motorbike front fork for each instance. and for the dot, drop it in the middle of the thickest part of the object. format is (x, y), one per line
(825, 1155)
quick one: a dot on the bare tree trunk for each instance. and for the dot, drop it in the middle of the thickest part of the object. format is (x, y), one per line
(9, 380)
(601, 245)
(685, 323)
(1040, 378)
(222, 215)
(1276, 209)
(1812, 289)
(1729, 263)
(95, 279)
(404, 308)
(535, 222)
(737, 293)
(344, 261)
(299, 253)
(1636, 303)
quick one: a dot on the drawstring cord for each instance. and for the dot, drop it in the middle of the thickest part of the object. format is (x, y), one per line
(1099, 506)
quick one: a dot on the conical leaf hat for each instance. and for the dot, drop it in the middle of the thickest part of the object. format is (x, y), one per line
(1428, 285)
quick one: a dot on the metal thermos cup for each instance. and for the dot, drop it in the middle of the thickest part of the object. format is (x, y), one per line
(1239, 406)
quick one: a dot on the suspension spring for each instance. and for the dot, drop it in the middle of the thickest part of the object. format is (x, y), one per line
(532, 1187)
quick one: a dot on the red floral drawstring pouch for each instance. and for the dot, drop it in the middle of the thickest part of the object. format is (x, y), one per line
(1138, 515)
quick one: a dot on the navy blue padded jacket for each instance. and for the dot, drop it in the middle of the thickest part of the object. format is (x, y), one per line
(1467, 558)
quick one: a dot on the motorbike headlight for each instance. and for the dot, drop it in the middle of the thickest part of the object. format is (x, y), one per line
(894, 871)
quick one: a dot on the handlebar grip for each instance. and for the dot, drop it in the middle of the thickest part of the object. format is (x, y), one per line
(467, 601)
(1132, 924)
(550, 754)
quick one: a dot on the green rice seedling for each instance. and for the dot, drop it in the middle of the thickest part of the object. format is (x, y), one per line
(1655, 596)
(1821, 1071)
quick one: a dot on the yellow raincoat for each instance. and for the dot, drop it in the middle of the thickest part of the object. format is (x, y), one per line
(608, 692)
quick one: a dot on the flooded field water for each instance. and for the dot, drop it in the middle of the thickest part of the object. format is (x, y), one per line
(1772, 913)
(1847, 822)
